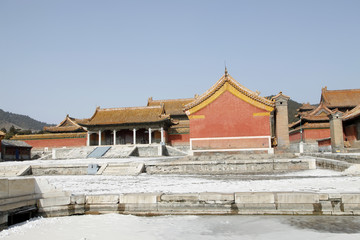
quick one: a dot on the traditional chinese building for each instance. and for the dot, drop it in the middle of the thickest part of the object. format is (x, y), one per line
(131, 125)
(343, 100)
(68, 133)
(229, 117)
(351, 127)
(313, 124)
(179, 132)
(15, 150)
(68, 125)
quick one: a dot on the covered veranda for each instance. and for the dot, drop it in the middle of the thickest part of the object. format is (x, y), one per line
(132, 136)
(124, 126)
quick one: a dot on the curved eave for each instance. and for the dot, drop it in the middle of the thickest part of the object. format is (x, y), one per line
(127, 123)
(236, 89)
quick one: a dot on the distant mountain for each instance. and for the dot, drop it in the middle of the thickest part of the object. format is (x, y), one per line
(8, 119)
(292, 106)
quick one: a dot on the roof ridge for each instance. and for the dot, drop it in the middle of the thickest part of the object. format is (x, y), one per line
(338, 90)
(352, 113)
(228, 78)
(72, 120)
(163, 100)
(129, 108)
(321, 106)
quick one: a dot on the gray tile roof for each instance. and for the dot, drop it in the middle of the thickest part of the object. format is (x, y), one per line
(14, 143)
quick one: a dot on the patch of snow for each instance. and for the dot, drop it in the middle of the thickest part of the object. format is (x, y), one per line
(329, 182)
(116, 226)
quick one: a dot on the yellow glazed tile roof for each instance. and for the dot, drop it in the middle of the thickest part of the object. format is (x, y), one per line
(128, 115)
(226, 82)
(171, 106)
(340, 98)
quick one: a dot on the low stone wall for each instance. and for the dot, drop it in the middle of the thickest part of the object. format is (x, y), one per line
(307, 147)
(16, 194)
(230, 166)
(23, 195)
(332, 164)
(149, 150)
(71, 153)
(12, 170)
(341, 157)
(59, 169)
(174, 167)
(29, 194)
(250, 203)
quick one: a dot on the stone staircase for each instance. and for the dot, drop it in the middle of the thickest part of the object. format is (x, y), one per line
(177, 151)
(119, 151)
(15, 170)
(147, 151)
(72, 153)
(122, 169)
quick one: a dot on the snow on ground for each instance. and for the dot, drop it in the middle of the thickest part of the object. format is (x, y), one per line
(116, 226)
(325, 181)
(319, 180)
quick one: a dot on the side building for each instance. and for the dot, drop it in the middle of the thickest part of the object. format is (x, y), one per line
(15, 150)
(351, 127)
(131, 125)
(311, 132)
(178, 133)
(227, 118)
(231, 118)
(68, 133)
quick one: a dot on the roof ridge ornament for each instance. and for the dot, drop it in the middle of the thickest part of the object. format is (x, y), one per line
(226, 72)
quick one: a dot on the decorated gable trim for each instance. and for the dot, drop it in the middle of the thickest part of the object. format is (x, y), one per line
(228, 87)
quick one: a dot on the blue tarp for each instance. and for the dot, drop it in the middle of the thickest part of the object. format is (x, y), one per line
(98, 152)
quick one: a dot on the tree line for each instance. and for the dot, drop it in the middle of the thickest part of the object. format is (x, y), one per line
(16, 131)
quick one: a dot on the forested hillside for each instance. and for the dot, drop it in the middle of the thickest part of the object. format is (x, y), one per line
(8, 119)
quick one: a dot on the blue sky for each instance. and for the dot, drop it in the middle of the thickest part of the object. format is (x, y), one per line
(67, 57)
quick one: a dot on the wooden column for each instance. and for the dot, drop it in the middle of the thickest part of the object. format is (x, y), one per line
(88, 139)
(114, 137)
(162, 135)
(99, 137)
(149, 135)
(134, 136)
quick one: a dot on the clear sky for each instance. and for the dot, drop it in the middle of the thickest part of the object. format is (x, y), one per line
(69, 56)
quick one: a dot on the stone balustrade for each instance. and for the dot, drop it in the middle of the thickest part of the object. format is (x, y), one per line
(29, 194)
(245, 203)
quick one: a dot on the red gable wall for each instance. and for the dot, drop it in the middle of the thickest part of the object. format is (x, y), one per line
(229, 116)
(226, 117)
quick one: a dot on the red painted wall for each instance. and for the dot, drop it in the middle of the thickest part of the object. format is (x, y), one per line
(310, 135)
(315, 134)
(56, 143)
(178, 139)
(295, 137)
(229, 116)
(350, 133)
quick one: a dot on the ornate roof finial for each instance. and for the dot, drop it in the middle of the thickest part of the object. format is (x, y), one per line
(226, 72)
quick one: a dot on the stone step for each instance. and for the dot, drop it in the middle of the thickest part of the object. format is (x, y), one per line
(123, 169)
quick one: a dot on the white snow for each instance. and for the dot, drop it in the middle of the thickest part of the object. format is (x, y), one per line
(325, 181)
(116, 226)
